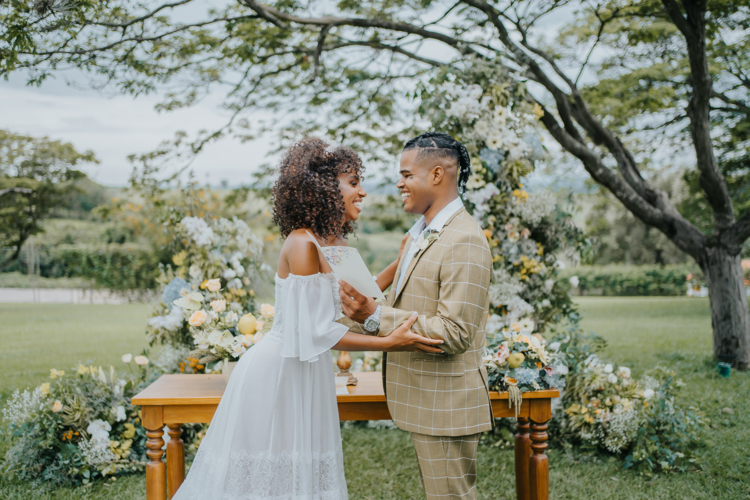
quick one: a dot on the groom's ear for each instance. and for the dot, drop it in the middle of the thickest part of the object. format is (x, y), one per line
(437, 174)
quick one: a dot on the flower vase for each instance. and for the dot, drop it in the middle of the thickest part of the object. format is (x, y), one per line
(227, 368)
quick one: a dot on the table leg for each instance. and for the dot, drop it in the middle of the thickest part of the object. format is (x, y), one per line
(523, 452)
(538, 463)
(156, 479)
(175, 458)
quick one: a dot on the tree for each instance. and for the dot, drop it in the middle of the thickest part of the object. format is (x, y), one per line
(37, 176)
(672, 69)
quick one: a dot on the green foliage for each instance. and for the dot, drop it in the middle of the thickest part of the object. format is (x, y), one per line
(76, 428)
(622, 280)
(668, 434)
(115, 267)
(37, 176)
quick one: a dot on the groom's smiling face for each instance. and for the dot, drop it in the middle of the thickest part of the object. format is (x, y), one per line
(414, 183)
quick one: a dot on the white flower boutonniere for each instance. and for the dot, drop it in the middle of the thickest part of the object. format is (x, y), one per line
(427, 237)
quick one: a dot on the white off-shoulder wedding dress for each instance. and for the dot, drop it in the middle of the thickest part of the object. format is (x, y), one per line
(275, 434)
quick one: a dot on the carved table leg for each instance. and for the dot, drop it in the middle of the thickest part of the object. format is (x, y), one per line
(538, 463)
(175, 458)
(523, 452)
(156, 480)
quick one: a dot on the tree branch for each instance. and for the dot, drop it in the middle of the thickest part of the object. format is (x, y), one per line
(736, 235)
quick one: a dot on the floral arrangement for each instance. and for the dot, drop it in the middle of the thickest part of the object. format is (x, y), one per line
(207, 299)
(78, 426)
(635, 418)
(496, 120)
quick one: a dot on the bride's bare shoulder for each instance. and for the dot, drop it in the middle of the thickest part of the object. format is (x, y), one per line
(300, 254)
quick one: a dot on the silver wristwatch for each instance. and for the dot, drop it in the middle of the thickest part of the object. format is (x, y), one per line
(372, 323)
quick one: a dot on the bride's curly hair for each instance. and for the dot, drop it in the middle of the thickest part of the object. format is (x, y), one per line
(307, 195)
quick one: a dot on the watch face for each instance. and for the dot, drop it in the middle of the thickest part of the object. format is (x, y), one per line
(370, 324)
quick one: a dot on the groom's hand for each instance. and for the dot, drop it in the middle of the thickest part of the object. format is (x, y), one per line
(355, 305)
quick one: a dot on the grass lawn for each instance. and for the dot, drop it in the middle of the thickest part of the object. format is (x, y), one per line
(380, 464)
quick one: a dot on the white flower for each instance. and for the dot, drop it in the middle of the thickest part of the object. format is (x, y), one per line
(127, 358)
(99, 432)
(624, 372)
(231, 317)
(573, 281)
(608, 368)
(527, 325)
(195, 272)
(171, 322)
(213, 285)
(141, 360)
(215, 337)
(560, 265)
(236, 283)
(229, 273)
(238, 349)
(648, 394)
(546, 303)
(475, 181)
(561, 369)
(239, 269)
(548, 285)
(121, 414)
(219, 305)
(612, 378)
(554, 346)
(102, 377)
(199, 231)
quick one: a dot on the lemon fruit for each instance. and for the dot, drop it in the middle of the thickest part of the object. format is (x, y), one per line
(247, 325)
(515, 359)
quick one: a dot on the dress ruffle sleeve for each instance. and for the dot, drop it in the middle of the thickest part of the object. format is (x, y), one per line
(308, 326)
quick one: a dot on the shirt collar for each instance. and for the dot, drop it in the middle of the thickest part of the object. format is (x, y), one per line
(438, 221)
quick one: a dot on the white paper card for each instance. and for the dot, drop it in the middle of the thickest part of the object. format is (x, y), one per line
(348, 265)
(341, 385)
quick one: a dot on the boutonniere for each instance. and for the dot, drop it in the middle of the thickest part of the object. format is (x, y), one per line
(427, 237)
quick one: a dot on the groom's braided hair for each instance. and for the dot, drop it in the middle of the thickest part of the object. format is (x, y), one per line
(440, 145)
(307, 194)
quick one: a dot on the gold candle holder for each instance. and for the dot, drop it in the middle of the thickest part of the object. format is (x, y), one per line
(344, 362)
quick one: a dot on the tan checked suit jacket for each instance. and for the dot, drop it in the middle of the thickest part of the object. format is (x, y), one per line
(447, 284)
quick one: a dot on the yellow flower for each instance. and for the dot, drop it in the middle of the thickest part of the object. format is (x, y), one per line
(267, 310)
(179, 258)
(538, 111)
(488, 233)
(129, 431)
(520, 194)
(539, 248)
(82, 370)
(213, 285)
(44, 388)
(56, 373)
(247, 324)
(197, 318)
(57, 407)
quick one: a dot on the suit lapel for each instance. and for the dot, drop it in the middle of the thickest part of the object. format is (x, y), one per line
(418, 255)
(392, 294)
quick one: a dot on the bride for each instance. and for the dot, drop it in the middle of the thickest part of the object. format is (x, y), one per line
(275, 434)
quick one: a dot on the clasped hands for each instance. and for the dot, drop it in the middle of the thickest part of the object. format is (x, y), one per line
(359, 307)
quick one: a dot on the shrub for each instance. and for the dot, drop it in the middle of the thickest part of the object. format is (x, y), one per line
(624, 280)
(116, 267)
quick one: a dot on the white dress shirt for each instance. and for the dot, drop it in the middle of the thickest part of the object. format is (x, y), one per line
(437, 224)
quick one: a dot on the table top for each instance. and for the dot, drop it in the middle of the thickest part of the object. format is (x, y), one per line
(182, 389)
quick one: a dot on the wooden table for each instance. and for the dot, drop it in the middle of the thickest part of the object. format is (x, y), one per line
(177, 399)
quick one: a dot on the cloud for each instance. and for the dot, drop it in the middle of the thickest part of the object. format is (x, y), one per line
(115, 127)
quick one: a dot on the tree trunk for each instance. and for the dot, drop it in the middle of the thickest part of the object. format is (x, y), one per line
(730, 317)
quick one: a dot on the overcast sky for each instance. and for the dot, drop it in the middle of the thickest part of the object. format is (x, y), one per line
(114, 127)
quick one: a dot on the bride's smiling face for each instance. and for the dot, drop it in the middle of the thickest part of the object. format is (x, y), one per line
(353, 194)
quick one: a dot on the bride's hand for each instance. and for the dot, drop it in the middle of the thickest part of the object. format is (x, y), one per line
(403, 339)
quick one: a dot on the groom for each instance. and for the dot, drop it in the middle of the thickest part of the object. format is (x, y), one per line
(442, 399)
